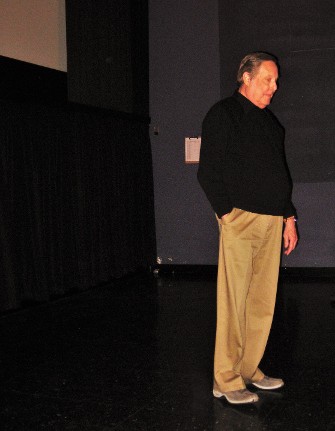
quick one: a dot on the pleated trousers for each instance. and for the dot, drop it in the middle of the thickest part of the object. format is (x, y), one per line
(248, 267)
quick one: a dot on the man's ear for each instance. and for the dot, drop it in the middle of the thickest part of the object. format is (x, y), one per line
(246, 78)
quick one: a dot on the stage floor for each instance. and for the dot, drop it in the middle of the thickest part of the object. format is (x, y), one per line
(136, 355)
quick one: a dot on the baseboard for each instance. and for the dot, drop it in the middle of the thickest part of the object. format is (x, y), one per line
(301, 274)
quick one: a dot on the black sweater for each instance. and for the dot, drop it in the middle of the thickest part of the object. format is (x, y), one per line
(242, 160)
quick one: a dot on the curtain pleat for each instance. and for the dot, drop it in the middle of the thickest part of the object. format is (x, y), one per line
(76, 204)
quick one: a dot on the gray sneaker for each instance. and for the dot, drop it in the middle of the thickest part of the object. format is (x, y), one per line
(242, 396)
(268, 383)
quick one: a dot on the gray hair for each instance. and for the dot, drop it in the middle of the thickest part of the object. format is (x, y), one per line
(251, 62)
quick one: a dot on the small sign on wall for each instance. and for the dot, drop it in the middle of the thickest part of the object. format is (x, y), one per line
(192, 149)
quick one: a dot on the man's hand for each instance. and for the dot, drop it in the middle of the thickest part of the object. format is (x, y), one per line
(290, 236)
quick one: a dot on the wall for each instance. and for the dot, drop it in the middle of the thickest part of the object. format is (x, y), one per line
(34, 31)
(184, 83)
(185, 66)
(108, 59)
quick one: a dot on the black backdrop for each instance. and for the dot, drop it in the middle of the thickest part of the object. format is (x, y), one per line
(76, 206)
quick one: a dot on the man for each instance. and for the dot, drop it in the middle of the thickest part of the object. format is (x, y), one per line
(244, 175)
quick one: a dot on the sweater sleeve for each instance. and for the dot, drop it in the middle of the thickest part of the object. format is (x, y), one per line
(290, 210)
(214, 144)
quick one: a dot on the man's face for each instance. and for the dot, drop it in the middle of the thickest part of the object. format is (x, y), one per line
(260, 88)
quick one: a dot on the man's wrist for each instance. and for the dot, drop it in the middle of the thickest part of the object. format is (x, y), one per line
(292, 218)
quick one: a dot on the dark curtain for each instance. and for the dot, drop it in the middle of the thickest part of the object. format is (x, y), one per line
(76, 207)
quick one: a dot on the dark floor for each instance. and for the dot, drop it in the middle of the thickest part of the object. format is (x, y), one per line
(137, 355)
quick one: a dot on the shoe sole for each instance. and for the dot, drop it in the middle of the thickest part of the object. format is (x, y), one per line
(267, 388)
(218, 394)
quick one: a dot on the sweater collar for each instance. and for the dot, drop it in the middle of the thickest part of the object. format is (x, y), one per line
(246, 104)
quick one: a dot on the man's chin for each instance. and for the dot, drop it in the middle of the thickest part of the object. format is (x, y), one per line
(266, 102)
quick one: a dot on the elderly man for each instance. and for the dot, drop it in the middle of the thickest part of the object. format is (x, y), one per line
(244, 175)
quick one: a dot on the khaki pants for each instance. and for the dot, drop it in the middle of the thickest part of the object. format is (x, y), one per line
(249, 257)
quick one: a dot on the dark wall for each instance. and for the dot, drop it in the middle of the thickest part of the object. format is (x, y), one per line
(184, 84)
(107, 50)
